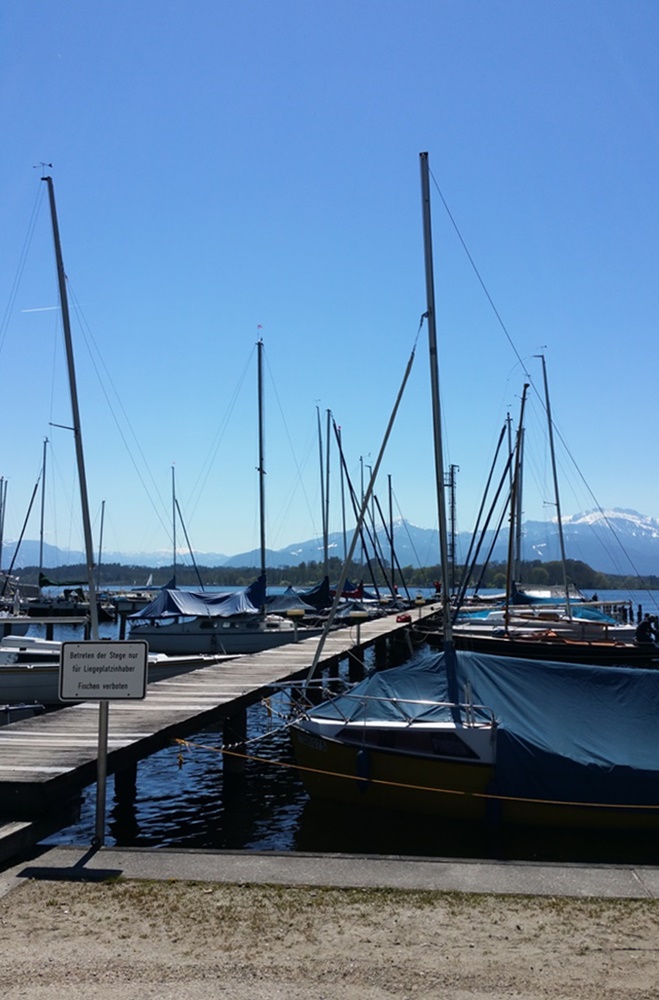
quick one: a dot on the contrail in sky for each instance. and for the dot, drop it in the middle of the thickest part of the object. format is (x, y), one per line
(40, 309)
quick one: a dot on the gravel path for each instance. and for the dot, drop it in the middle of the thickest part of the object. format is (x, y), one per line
(138, 939)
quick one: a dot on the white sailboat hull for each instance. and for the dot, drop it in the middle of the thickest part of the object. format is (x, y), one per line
(39, 681)
(221, 635)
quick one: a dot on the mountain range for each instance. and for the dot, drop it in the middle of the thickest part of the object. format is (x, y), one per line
(618, 541)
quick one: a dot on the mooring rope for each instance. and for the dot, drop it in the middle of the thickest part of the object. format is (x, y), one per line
(493, 796)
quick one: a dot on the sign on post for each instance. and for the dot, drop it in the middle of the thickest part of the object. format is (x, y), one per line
(100, 671)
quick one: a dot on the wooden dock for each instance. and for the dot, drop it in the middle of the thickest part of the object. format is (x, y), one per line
(48, 759)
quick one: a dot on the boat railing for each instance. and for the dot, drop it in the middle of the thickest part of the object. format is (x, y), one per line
(406, 710)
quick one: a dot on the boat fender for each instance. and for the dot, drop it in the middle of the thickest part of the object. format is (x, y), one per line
(404, 618)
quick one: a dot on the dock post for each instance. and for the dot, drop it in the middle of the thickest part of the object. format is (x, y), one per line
(122, 626)
(356, 664)
(234, 731)
(125, 796)
(380, 648)
(356, 654)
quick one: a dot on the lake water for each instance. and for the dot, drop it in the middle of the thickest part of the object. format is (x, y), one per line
(184, 799)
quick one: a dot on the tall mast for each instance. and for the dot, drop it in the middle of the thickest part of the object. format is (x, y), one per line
(261, 468)
(513, 505)
(327, 490)
(436, 410)
(43, 507)
(75, 412)
(561, 540)
(3, 501)
(361, 500)
(391, 531)
(100, 543)
(343, 498)
(173, 525)
(322, 487)
(519, 491)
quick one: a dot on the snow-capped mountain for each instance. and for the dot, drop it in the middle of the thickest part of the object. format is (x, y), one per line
(616, 541)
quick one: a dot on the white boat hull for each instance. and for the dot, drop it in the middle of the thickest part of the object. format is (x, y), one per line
(220, 635)
(39, 682)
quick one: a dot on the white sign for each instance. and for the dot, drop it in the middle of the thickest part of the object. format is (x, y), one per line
(96, 671)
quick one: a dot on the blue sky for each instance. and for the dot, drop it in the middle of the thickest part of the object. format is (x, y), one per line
(225, 172)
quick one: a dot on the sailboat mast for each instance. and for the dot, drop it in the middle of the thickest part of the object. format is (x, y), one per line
(343, 498)
(513, 506)
(3, 501)
(322, 488)
(173, 525)
(436, 410)
(519, 491)
(391, 538)
(43, 507)
(261, 469)
(327, 490)
(561, 540)
(100, 543)
(77, 432)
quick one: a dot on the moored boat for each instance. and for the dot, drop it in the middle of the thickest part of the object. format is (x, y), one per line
(182, 622)
(495, 739)
(526, 742)
(30, 673)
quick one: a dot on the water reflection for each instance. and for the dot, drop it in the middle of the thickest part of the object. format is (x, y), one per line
(199, 805)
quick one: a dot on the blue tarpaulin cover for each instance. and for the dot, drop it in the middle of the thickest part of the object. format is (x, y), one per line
(565, 731)
(319, 596)
(172, 603)
(290, 600)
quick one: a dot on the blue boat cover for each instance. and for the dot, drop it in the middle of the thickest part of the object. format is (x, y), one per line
(566, 732)
(171, 603)
(290, 600)
(319, 596)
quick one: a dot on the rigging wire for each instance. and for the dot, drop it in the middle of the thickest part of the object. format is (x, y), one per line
(209, 461)
(513, 346)
(98, 362)
(13, 293)
(476, 271)
(299, 469)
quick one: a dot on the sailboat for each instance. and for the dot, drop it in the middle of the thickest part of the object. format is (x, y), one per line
(30, 666)
(547, 624)
(182, 622)
(491, 739)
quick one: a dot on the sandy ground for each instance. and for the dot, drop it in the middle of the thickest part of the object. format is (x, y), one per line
(132, 939)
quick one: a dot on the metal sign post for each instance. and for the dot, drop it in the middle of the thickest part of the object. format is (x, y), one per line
(102, 671)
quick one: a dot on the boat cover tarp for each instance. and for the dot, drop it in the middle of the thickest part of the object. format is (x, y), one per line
(319, 597)
(566, 732)
(349, 607)
(350, 590)
(592, 615)
(290, 600)
(171, 603)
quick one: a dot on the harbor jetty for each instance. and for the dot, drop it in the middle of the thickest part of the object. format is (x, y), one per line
(47, 760)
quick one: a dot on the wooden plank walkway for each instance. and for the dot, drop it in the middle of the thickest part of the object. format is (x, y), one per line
(53, 756)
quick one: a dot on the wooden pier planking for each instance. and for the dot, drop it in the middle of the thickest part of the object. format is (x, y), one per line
(53, 756)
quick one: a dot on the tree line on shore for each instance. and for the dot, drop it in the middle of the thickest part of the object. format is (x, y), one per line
(306, 574)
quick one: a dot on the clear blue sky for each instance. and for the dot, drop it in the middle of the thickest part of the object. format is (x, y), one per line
(220, 167)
